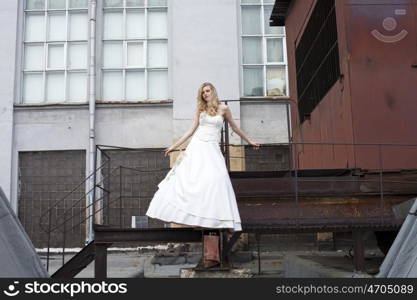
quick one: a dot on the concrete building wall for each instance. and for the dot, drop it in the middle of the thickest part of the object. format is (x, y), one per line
(205, 39)
(204, 45)
(265, 121)
(66, 128)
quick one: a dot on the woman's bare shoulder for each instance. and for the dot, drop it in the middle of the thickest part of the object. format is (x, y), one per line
(223, 107)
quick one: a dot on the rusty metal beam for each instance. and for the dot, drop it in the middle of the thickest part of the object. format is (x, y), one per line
(359, 250)
(315, 183)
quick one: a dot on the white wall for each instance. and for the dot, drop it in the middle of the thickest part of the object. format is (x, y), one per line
(265, 121)
(204, 47)
(66, 128)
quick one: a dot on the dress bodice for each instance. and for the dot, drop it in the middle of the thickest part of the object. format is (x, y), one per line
(210, 127)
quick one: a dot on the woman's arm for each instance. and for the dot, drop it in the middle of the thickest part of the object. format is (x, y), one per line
(235, 128)
(189, 133)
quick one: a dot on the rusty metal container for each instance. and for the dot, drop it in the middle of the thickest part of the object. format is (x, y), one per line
(374, 100)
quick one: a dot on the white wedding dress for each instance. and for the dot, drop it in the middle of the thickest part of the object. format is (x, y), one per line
(197, 190)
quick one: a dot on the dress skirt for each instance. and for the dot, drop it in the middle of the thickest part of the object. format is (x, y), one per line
(197, 191)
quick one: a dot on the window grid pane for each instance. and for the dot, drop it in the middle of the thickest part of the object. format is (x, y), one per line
(135, 55)
(77, 56)
(135, 24)
(35, 27)
(55, 86)
(33, 87)
(251, 20)
(263, 51)
(252, 50)
(52, 24)
(157, 23)
(276, 81)
(113, 25)
(139, 70)
(35, 4)
(77, 86)
(157, 54)
(56, 57)
(57, 4)
(113, 3)
(112, 85)
(113, 55)
(78, 3)
(34, 57)
(157, 85)
(157, 3)
(135, 3)
(275, 51)
(253, 81)
(57, 27)
(78, 26)
(135, 85)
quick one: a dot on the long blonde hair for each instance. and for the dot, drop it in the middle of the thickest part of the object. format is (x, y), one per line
(210, 106)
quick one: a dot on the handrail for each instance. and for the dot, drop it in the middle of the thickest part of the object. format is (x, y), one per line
(66, 196)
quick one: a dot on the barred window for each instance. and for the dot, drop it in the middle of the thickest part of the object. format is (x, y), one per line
(317, 58)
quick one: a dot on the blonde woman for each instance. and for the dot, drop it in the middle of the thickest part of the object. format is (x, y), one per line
(197, 190)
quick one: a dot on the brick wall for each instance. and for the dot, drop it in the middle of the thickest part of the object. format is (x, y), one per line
(274, 158)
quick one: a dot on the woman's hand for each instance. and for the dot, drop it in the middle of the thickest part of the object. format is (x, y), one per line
(255, 145)
(168, 150)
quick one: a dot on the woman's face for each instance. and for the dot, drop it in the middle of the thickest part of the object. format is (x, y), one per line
(207, 93)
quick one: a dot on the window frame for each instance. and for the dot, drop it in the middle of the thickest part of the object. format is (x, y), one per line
(264, 44)
(46, 42)
(125, 68)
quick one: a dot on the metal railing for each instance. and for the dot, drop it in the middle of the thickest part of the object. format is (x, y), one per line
(111, 201)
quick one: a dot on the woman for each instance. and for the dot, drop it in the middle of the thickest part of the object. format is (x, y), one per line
(197, 190)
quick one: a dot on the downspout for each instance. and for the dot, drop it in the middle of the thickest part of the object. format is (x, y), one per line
(92, 109)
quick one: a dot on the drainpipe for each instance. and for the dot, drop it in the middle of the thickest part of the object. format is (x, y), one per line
(92, 109)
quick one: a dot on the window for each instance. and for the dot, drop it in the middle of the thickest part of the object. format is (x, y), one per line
(317, 58)
(135, 50)
(264, 61)
(55, 51)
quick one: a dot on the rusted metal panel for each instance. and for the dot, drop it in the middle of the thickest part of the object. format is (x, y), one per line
(343, 212)
(382, 41)
(320, 203)
(331, 121)
(356, 183)
(374, 100)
